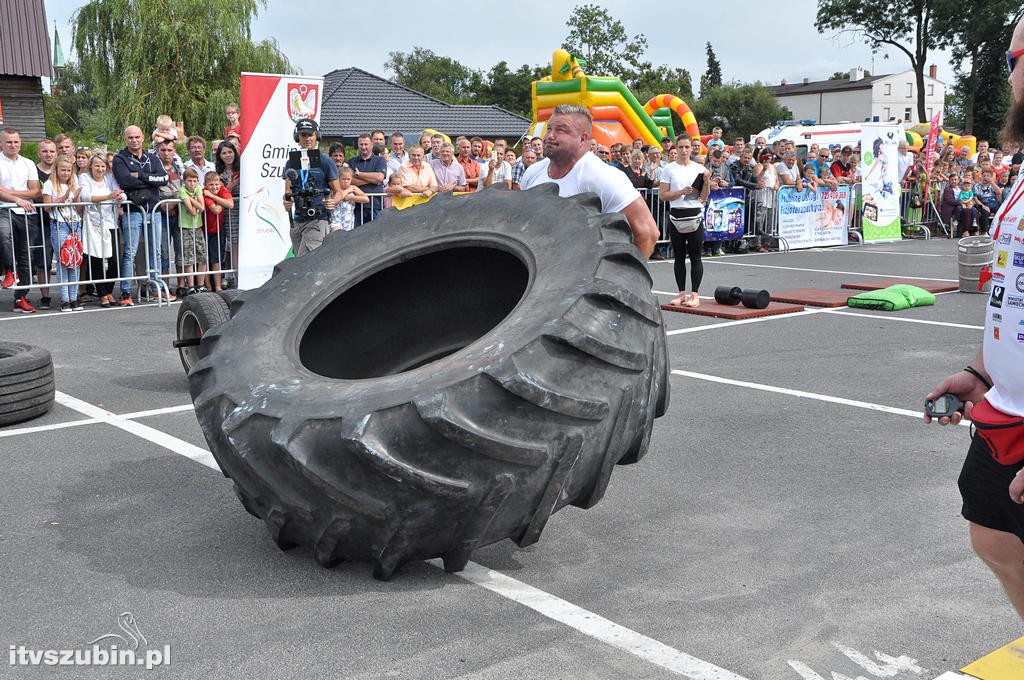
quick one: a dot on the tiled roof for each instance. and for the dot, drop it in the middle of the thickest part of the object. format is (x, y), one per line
(814, 87)
(25, 47)
(356, 102)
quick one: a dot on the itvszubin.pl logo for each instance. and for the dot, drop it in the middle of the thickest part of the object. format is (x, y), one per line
(129, 647)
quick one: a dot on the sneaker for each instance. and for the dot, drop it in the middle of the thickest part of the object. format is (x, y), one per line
(22, 306)
(44, 303)
(126, 300)
(167, 296)
(191, 291)
(8, 280)
(181, 291)
(202, 289)
(65, 306)
(76, 306)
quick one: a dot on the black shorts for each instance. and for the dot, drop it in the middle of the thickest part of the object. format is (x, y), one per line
(984, 486)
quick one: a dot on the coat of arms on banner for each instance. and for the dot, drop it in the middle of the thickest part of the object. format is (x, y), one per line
(303, 100)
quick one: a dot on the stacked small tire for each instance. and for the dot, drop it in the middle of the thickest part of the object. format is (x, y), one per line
(26, 382)
(443, 380)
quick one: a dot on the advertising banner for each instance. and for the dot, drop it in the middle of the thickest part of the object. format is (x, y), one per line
(880, 182)
(724, 215)
(271, 104)
(933, 137)
(808, 218)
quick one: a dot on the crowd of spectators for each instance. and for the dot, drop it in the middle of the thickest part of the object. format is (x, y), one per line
(199, 220)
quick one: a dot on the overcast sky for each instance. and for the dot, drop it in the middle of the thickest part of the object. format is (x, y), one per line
(752, 42)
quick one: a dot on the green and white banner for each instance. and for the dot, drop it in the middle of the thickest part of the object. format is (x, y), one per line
(880, 182)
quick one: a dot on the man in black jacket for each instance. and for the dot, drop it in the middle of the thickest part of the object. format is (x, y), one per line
(141, 175)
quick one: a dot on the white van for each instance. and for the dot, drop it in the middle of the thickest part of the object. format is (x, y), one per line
(804, 133)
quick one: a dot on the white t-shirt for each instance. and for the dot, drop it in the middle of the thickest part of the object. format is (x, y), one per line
(793, 174)
(502, 173)
(906, 161)
(64, 213)
(15, 175)
(590, 174)
(1004, 322)
(678, 176)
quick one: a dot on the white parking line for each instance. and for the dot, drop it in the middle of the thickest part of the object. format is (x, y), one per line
(593, 625)
(806, 395)
(553, 607)
(829, 271)
(902, 318)
(169, 442)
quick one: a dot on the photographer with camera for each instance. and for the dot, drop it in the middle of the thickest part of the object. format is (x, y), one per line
(310, 185)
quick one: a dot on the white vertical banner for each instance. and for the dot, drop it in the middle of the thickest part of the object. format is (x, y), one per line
(271, 104)
(880, 182)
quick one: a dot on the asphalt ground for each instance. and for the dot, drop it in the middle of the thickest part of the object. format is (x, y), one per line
(793, 518)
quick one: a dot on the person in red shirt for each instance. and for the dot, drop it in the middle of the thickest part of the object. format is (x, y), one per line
(234, 117)
(217, 198)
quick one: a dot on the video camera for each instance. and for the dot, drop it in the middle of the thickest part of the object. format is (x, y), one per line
(304, 194)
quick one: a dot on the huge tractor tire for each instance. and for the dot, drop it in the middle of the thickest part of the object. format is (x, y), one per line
(26, 382)
(437, 381)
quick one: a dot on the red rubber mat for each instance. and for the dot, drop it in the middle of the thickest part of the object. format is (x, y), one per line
(736, 312)
(930, 285)
(813, 297)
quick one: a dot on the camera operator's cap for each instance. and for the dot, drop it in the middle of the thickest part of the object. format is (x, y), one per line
(306, 126)
(666, 139)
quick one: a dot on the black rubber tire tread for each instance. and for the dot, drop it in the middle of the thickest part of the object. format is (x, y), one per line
(27, 385)
(229, 295)
(198, 313)
(480, 445)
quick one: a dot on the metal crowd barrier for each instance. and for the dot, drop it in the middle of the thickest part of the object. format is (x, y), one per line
(150, 264)
(760, 223)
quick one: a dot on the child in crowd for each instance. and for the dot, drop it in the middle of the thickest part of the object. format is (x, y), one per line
(193, 245)
(716, 139)
(964, 211)
(396, 186)
(234, 116)
(62, 187)
(808, 181)
(165, 129)
(343, 217)
(217, 199)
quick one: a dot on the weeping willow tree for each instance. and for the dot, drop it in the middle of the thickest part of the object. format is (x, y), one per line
(143, 58)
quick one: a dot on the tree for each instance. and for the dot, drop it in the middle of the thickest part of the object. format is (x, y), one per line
(510, 89)
(143, 58)
(436, 76)
(712, 77)
(73, 107)
(663, 80)
(894, 23)
(602, 42)
(740, 110)
(980, 43)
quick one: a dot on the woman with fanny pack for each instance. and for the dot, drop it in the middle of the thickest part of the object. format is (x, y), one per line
(685, 187)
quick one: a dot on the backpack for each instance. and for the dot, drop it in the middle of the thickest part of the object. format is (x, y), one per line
(71, 251)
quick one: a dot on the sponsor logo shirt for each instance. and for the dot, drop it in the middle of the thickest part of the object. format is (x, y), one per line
(1004, 321)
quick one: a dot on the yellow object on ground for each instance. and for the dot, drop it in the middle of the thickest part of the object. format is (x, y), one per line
(1006, 663)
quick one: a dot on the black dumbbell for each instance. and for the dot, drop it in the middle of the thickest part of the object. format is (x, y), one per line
(755, 299)
(728, 295)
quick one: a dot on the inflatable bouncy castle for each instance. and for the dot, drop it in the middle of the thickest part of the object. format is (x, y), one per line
(618, 116)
